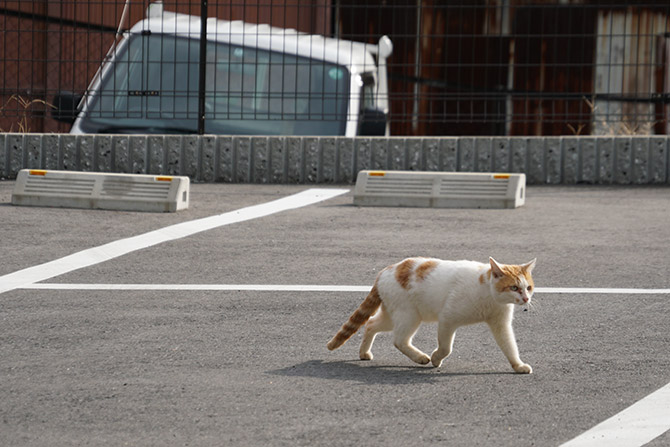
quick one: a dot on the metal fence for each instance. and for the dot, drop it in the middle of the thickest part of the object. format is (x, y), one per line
(480, 67)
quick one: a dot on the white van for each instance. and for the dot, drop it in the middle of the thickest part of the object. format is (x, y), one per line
(259, 80)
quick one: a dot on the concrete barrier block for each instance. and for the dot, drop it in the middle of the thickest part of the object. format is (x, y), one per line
(414, 151)
(242, 160)
(346, 165)
(536, 161)
(155, 154)
(363, 151)
(15, 156)
(191, 147)
(68, 159)
(225, 159)
(259, 157)
(208, 159)
(466, 155)
(278, 160)
(294, 159)
(33, 151)
(3, 156)
(397, 156)
(519, 156)
(87, 155)
(623, 161)
(501, 153)
(310, 160)
(173, 147)
(378, 153)
(553, 160)
(483, 155)
(103, 154)
(439, 189)
(88, 190)
(8, 141)
(137, 154)
(641, 161)
(658, 153)
(588, 164)
(449, 152)
(606, 160)
(571, 149)
(120, 150)
(329, 160)
(432, 155)
(51, 147)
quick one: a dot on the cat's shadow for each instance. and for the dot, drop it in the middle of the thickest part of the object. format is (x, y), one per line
(372, 373)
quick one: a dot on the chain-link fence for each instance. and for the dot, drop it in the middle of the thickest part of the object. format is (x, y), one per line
(480, 67)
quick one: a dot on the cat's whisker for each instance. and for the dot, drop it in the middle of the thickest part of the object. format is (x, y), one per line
(530, 306)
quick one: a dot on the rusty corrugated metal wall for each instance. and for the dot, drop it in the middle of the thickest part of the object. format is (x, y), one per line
(446, 61)
(552, 68)
(517, 67)
(630, 63)
(49, 46)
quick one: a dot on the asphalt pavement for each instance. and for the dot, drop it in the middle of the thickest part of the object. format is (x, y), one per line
(251, 368)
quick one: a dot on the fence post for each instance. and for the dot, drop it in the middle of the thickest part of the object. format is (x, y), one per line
(202, 66)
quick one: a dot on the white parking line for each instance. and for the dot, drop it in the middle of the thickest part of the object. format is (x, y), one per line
(121, 247)
(307, 288)
(196, 287)
(635, 426)
(602, 290)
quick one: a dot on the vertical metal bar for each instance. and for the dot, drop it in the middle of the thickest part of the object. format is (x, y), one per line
(202, 67)
(417, 68)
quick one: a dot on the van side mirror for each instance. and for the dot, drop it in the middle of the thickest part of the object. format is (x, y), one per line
(373, 123)
(66, 106)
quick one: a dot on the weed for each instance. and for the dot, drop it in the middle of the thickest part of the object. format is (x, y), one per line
(626, 125)
(26, 105)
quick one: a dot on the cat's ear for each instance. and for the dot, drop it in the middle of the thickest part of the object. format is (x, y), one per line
(496, 269)
(528, 267)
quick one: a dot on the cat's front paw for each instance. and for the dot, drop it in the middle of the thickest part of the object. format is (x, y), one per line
(422, 360)
(365, 355)
(523, 368)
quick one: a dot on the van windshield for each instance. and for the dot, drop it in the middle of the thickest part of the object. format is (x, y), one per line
(153, 88)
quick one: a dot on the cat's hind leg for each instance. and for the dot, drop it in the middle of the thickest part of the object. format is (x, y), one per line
(403, 331)
(380, 322)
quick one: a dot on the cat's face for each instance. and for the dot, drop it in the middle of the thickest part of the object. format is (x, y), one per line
(513, 284)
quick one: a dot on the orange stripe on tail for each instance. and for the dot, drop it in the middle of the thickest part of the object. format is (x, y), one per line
(360, 316)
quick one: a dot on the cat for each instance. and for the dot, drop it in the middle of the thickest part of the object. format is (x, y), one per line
(453, 293)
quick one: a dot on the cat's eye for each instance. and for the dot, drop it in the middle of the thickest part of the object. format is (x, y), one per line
(529, 288)
(513, 288)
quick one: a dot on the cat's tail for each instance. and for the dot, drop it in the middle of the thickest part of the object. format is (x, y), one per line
(360, 316)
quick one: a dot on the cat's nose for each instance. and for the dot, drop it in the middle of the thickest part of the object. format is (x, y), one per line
(525, 299)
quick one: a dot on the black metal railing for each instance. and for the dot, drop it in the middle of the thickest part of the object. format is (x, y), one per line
(480, 67)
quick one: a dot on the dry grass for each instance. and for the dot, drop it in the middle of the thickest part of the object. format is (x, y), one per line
(625, 126)
(26, 105)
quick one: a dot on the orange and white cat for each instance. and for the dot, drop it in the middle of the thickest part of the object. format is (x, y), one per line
(453, 293)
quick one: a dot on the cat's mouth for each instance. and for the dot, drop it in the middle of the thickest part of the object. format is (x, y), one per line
(525, 305)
